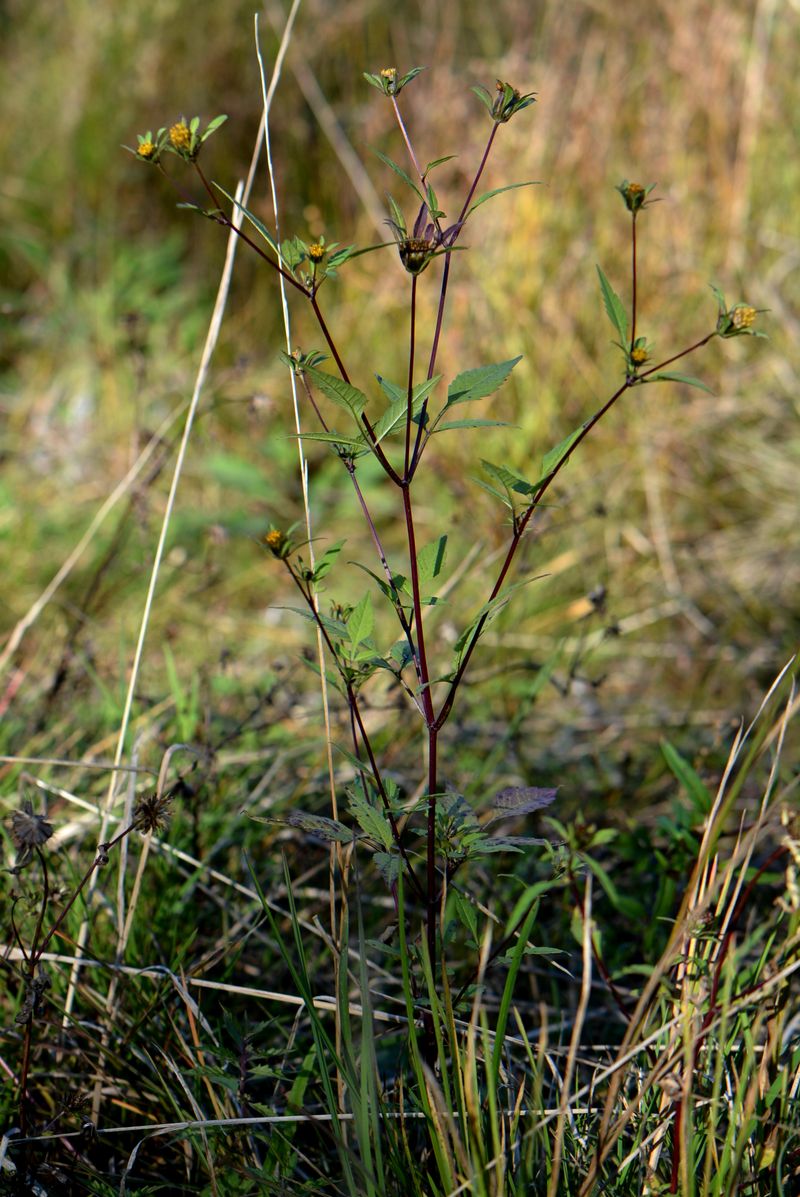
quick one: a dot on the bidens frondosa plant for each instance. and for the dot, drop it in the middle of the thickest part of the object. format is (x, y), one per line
(419, 847)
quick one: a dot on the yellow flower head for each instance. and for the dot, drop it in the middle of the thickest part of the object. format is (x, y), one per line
(180, 136)
(743, 316)
(275, 541)
(316, 252)
(389, 73)
(146, 149)
(639, 356)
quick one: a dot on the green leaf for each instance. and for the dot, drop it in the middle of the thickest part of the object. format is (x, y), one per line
(673, 376)
(504, 498)
(686, 775)
(487, 195)
(353, 445)
(467, 914)
(430, 559)
(437, 162)
(480, 382)
(551, 459)
(213, 125)
(398, 170)
(341, 392)
(507, 478)
(255, 222)
(473, 424)
(388, 865)
(329, 830)
(483, 96)
(488, 611)
(394, 418)
(613, 305)
(361, 621)
(325, 563)
(373, 822)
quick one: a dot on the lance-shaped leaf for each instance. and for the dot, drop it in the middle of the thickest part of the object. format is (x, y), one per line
(398, 170)
(341, 392)
(674, 376)
(330, 830)
(553, 457)
(451, 424)
(258, 225)
(487, 613)
(487, 195)
(480, 382)
(614, 308)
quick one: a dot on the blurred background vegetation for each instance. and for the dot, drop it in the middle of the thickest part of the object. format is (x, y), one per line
(671, 575)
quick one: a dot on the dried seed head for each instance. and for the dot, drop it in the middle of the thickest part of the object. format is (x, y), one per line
(152, 813)
(28, 831)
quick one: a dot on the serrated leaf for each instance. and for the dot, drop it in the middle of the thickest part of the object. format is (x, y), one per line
(361, 621)
(327, 559)
(508, 478)
(329, 830)
(388, 866)
(551, 459)
(614, 308)
(372, 822)
(504, 498)
(480, 382)
(394, 417)
(398, 170)
(341, 392)
(401, 653)
(673, 376)
(430, 559)
(255, 222)
(355, 446)
(487, 195)
(522, 800)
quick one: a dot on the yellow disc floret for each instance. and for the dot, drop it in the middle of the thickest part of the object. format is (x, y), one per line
(180, 136)
(743, 316)
(146, 149)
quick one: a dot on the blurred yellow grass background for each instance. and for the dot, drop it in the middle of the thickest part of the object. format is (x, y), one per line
(683, 507)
